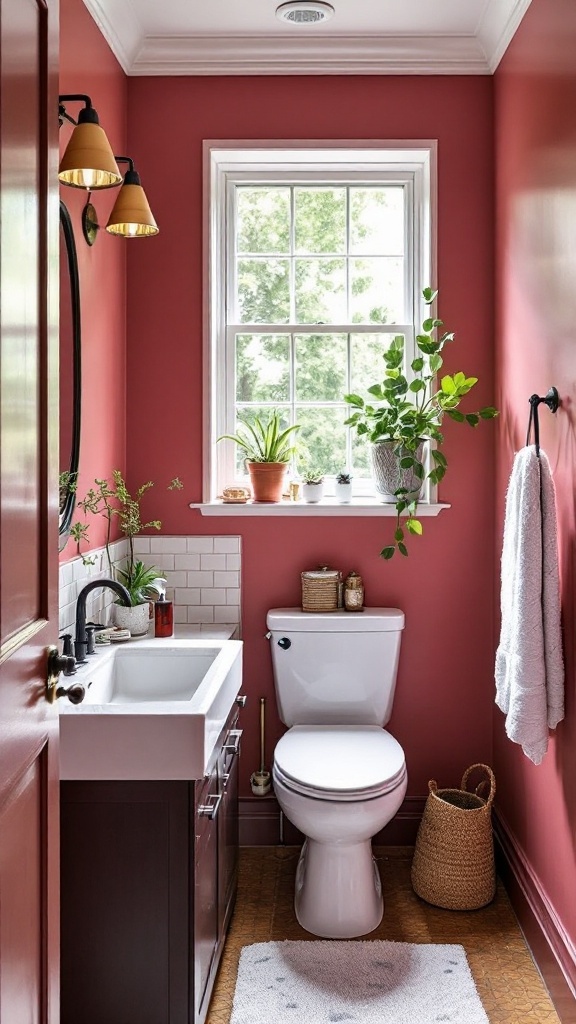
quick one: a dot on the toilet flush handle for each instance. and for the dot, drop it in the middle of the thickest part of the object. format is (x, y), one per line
(284, 643)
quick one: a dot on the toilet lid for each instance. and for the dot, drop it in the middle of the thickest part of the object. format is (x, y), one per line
(339, 762)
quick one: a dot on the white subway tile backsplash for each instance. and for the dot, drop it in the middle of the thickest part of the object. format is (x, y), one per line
(202, 573)
(200, 544)
(212, 561)
(227, 544)
(200, 614)
(212, 595)
(172, 545)
(226, 613)
(187, 595)
(200, 579)
(226, 579)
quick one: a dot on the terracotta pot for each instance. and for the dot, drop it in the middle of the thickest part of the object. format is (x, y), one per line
(267, 480)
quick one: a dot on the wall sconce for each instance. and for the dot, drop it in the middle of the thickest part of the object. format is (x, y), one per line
(88, 161)
(131, 215)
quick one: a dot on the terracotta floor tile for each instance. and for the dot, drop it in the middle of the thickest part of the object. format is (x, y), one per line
(507, 979)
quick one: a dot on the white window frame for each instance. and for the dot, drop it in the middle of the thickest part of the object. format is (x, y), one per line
(227, 163)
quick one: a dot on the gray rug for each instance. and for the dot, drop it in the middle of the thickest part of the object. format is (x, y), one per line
(355, 983)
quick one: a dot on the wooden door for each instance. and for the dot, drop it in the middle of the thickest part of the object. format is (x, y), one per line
(28, 512)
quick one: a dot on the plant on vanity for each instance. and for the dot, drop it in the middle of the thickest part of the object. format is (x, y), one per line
(267, 450)
(406, 417)
(111, 501)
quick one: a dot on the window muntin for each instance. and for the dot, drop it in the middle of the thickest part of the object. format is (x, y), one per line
(358, 267)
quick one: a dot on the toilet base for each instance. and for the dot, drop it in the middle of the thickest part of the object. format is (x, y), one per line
(338, 889)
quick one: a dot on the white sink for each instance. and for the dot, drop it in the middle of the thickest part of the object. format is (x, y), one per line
(154, 709)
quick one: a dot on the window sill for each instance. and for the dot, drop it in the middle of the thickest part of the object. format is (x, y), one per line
(326, 507)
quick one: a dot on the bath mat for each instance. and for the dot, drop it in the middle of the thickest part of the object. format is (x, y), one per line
(355, 983)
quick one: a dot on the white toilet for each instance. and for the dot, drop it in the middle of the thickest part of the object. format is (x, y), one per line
(338, 775)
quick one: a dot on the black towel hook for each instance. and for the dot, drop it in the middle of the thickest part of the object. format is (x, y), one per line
(552, 400)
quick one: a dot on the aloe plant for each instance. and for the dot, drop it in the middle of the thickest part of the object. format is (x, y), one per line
(264, 441)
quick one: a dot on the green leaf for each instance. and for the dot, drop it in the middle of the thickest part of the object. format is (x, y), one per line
(435, 362)
(438, 457)
(354, 400)
(377, 391)
(488, 413)
(455, 415)
(407, 462)
(417, 385)
(448, 385)
(403, 550)
(414, 526)
(429, 294)
(472, 419)
(418, 470)
(428, 325)
(399, 534)
(417, 364)
(387, 553)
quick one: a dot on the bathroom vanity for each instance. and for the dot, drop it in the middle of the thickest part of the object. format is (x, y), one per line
(149, 865)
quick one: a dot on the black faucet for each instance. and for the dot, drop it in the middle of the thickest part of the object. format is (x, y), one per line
(81, 642)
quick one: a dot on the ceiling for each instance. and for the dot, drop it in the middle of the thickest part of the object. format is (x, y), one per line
(243, 37)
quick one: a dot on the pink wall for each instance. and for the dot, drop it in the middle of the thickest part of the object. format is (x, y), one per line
(88, 66)
(442, 713)
(535, 95)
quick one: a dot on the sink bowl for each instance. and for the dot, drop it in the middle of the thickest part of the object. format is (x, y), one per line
(154, 709)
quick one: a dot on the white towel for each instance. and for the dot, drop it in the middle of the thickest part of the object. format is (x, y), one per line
(529, 663)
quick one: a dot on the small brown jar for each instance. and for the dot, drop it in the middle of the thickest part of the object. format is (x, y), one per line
(354, 593)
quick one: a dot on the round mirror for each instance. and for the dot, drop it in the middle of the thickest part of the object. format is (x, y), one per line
(70, 373)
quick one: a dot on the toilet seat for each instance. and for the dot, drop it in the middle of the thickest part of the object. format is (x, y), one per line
(339, 762)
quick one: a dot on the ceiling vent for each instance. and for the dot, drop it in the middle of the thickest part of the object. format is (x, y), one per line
(304, 12)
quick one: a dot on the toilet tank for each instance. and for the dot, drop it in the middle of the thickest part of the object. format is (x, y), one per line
(336, 667)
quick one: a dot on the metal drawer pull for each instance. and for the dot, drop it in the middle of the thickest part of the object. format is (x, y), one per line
(241, 700)
(234, 746)
(210, 810)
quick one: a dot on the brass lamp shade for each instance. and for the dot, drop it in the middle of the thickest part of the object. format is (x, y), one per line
(88, 161)
(131, 214)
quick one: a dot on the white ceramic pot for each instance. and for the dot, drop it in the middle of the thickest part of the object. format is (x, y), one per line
(136, 619)
(313, 493)
(343, 493)
(387, 473)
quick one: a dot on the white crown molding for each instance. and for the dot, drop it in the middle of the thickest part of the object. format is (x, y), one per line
(332, 55)
(497, 27)
(261, 55)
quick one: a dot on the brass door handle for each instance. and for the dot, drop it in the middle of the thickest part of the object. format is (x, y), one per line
(57, 663)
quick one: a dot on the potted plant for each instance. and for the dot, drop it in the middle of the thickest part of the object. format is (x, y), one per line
(343, 488)
(406, 417)
(312, 485)
(142, 582)
(267, 451)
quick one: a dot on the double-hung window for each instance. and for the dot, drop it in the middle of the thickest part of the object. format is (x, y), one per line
(317, 258)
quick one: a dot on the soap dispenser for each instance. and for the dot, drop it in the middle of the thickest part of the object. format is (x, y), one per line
(163, 617)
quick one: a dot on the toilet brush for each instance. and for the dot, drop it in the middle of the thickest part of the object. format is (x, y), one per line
(260, 780)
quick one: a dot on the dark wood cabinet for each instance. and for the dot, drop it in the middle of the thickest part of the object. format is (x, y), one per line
(148, 885)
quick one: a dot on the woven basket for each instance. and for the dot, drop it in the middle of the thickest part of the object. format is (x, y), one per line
(320, 588)
(453, 864)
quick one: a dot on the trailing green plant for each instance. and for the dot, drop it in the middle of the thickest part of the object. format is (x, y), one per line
(264, 441)
(115, 501)
(409, 412)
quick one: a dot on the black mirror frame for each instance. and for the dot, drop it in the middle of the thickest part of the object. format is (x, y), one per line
(68, 501)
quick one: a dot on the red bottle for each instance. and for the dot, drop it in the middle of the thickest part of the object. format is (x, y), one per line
(163, 618)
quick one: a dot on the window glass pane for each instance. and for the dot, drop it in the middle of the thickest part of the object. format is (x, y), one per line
(248, 414)
(377, 221)
(263, 291)
(377, 290)
(263, 220)
(320, 291)
(320, 367)
(367, 366)
(320, 220)
(262, 367)
(360, 458)
(324, 434)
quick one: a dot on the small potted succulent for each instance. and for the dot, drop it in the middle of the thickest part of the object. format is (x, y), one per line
(343, 488)
(402, 420)
(312, 485)
(267, 450)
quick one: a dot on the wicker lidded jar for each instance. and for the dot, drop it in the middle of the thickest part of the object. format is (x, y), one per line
(321, 589)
